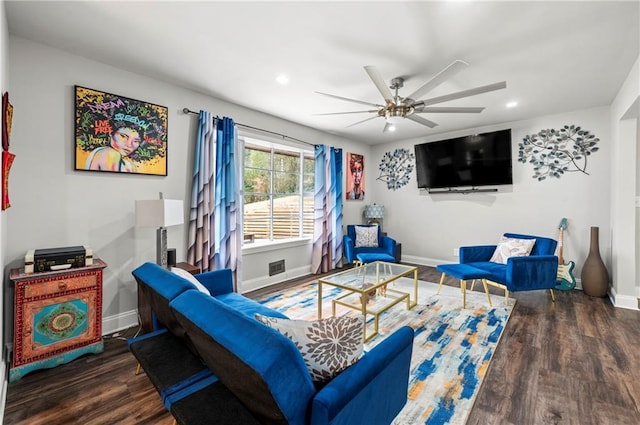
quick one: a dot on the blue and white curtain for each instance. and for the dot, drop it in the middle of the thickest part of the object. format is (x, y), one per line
(215, 222)
(327, 221)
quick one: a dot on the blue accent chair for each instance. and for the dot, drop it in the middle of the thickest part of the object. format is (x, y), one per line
(385, 251)
(536, 271)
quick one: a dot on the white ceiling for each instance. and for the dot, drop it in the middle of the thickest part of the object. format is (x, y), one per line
(554, 56)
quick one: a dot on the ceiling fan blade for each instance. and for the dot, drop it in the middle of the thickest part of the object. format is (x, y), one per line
(360, 122)
(351, 100)
(449, 109)
(422, 121)
(350, 112)
(439, 78)
(379, 82)
(461, 94)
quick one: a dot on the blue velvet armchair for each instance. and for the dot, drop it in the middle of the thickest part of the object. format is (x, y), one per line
(385, 251)
(533, 272)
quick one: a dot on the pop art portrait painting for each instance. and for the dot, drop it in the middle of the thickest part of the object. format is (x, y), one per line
(355, 176)
(120, 135)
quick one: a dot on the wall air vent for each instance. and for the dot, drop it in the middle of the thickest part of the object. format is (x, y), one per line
(276, 267)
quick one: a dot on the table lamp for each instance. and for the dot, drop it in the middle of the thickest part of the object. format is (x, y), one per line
(374, 214)
(160, 213)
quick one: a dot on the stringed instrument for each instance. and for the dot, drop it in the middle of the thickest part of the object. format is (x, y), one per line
(565, 279)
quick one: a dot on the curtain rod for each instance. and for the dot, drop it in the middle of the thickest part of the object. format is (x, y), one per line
(284, 136)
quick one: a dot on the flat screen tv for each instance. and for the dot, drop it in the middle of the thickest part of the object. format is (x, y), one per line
(476, 160)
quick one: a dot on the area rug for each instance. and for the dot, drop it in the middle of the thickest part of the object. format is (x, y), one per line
(452, 346)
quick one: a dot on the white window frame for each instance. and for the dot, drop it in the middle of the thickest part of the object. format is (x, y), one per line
(274, 144)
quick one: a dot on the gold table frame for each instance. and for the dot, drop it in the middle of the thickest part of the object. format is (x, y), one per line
(360, 282)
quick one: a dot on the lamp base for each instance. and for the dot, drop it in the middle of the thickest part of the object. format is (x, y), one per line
(376, 221)
(161, 246)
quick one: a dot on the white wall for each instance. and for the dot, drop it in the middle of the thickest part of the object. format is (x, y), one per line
(624, 121)
(4, 86)
(431, 226)
(53, 205)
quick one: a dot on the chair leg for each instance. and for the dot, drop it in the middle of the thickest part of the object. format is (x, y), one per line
(175, 422)
(486, 291)
(473, 284)
(138, 369)
(506, 296)
(463, 288)
(440, 285)
(553, 295)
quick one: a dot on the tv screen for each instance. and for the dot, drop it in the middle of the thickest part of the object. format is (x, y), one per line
(477, 160)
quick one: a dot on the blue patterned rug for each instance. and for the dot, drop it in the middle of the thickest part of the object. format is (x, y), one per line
(452, 346)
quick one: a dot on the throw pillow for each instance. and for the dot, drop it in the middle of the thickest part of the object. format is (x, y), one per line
(191, 278)
(511, 247)
(366, 236)
(328, 346)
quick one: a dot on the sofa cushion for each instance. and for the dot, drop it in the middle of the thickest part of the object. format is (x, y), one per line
(328, 346)
(260, 366)
(366, 236)
(191, 278)
(543, 246)
(378, 255)
(247, 306)
(511, 247)
(498, 271)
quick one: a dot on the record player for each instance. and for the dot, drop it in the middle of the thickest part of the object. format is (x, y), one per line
(51, 259)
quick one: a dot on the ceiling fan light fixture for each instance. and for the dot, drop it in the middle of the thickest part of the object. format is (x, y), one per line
(395, 119)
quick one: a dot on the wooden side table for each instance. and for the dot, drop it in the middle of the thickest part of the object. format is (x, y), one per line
(188, 267)
(58, 317)
(144, 308)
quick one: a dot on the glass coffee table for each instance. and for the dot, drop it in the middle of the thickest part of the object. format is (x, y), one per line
(367, 290)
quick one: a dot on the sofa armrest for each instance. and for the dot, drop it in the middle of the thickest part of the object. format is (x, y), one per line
(218, 282)
(476, 254)
(389, 245)
(382, 375)
(532, 272)
(349, 249)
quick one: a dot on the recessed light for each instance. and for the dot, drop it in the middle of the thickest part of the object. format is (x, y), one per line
(512, 104)
(282, 79)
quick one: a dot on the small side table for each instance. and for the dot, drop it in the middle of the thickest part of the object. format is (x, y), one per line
(188, 267)
(144, 308)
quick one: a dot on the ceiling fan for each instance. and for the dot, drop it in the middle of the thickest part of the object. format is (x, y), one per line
(396, 108)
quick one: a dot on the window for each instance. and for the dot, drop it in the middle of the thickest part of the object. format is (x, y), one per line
(278, 191)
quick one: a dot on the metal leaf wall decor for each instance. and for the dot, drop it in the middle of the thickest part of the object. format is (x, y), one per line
(555, 152)
(396, 167)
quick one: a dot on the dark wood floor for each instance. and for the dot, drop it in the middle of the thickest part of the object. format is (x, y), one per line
(576, 361)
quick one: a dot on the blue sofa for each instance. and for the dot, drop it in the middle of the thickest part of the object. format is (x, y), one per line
(536, 271)
(385, 251)
(249, 372)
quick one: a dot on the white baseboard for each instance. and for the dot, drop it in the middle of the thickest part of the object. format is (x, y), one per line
(264, 281)
(623, 301)
(119, 322)
(424, 261)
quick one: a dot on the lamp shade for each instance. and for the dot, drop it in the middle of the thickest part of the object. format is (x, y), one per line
(159, 213)
(374, 211)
